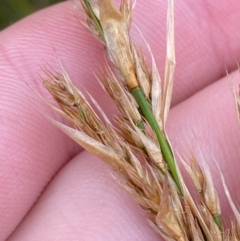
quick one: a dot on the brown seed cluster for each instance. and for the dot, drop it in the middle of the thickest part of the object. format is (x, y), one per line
(132, 148)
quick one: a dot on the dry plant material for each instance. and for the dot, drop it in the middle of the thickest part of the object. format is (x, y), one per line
(139, 149)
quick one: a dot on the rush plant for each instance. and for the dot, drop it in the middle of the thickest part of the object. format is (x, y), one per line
(138, 149)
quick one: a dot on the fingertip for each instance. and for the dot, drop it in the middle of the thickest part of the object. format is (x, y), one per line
(83, 202)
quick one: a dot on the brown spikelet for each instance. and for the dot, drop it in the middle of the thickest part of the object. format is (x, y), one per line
(194, 171)
(212, 226)
(166, 216)
(119, 94)
(117, 40)
(128, 132)
(210, 194)
(195, 232)
(142, 72)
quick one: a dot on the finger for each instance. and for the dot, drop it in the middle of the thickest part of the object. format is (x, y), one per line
(32, 150)
(206, 41)
(83, 202)
(34, 42)
(208, 121)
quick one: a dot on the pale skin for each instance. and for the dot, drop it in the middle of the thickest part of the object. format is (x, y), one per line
(53, 190)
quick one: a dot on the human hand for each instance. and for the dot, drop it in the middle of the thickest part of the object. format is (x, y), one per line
(76, 198)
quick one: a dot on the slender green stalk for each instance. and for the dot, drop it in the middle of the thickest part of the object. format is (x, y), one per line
(218, 221)
(95, 19)
(165, 148)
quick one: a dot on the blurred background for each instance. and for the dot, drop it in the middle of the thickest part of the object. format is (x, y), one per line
(13, 10)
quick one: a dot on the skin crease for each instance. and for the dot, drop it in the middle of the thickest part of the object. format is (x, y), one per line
(48, 194)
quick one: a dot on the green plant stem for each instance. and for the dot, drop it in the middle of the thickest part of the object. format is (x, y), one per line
(95, 19)
(218, 221)
(165, 148)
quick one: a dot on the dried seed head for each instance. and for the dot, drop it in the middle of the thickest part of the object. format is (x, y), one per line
(140, 183)
(141, 72)
(166, 217)
(209, 193)
(63, 91)
(194, 209)
(115, 24)
(126, 10)
(178, 207)
(119, 94)
(117, 40)
(194, 171)
(128, 132)
(152, 149)
(75, 105)
(195, 232)
(156, 93)
(106, 153)
(212, 226)
(146, 178)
